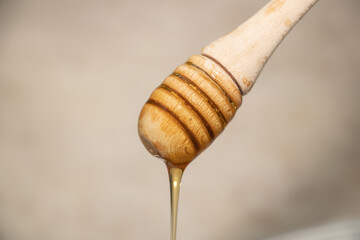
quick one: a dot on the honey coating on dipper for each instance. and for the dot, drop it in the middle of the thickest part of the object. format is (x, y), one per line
(188, 111)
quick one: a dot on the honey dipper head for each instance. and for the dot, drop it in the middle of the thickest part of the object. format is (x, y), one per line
(188, 110)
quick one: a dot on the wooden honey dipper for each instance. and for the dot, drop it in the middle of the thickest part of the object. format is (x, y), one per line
(194, 104)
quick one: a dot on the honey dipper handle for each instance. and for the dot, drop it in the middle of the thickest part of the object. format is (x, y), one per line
(245, 51)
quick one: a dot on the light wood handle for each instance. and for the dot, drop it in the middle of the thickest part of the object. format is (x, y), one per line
(194, 104)
(244, 51)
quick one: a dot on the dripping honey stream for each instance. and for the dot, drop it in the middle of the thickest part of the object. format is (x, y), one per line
(175, 175)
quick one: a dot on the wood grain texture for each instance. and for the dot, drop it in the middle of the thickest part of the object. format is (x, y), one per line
(244, 51)
(188, 110)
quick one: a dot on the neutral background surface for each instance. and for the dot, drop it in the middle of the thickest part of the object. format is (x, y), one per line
(74, 75)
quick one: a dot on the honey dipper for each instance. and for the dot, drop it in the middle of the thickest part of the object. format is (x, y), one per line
(194, 104)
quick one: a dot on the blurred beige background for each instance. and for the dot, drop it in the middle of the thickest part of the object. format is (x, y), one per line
(74, 75)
